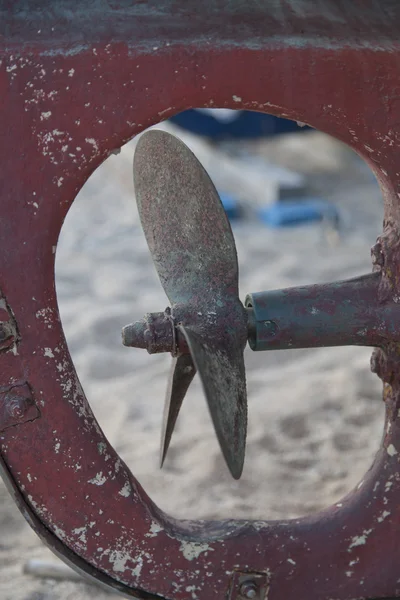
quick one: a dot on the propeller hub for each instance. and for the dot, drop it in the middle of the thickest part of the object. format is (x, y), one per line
(156, 332)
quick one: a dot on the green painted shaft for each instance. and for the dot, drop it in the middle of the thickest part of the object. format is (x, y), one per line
(335, 314)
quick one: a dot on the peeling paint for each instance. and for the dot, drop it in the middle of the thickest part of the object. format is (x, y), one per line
(100, 479)
(383, 516)
(359, 540)
(126, 490)
(155, 528)
(192, 550)
(391, 450)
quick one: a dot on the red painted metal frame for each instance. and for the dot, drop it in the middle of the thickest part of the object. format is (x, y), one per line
(76, 82)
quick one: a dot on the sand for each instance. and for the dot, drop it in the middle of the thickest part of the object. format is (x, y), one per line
(315, 416)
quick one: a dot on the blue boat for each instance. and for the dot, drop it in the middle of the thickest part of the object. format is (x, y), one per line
(242, 124)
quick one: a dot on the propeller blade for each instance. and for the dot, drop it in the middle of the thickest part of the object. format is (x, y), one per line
(193, 250)
(184, 221)
(181, 376)
(222, 373)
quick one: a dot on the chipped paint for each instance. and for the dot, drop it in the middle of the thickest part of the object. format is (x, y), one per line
(101, 447)
(391, 450)
(126, 490)
(93, 143)
(192, 550)
(81, 533)
(155, 529)
(359, 540)
(383, 516)
(99, 479)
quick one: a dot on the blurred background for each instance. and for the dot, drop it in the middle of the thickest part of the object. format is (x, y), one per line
(304, 209)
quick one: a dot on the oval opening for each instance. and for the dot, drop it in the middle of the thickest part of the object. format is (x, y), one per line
(315, 415)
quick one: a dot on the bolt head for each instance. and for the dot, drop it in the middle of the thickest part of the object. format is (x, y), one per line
(249, 590)
(17, 407)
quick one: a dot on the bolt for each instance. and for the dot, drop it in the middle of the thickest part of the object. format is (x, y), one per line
(249, 590)
(17, 406)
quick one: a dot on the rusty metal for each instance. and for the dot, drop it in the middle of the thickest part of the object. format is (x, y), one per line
(89, 78)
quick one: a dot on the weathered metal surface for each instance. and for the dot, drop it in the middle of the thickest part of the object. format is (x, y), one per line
(17, 406)
(333, 314)
(181, 376)
(156, 332)
(194, 252)
(186, 228)
(76, 83)
(222, 373)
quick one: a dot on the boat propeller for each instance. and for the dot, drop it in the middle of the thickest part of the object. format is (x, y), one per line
(193, 250)
(206, 327)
